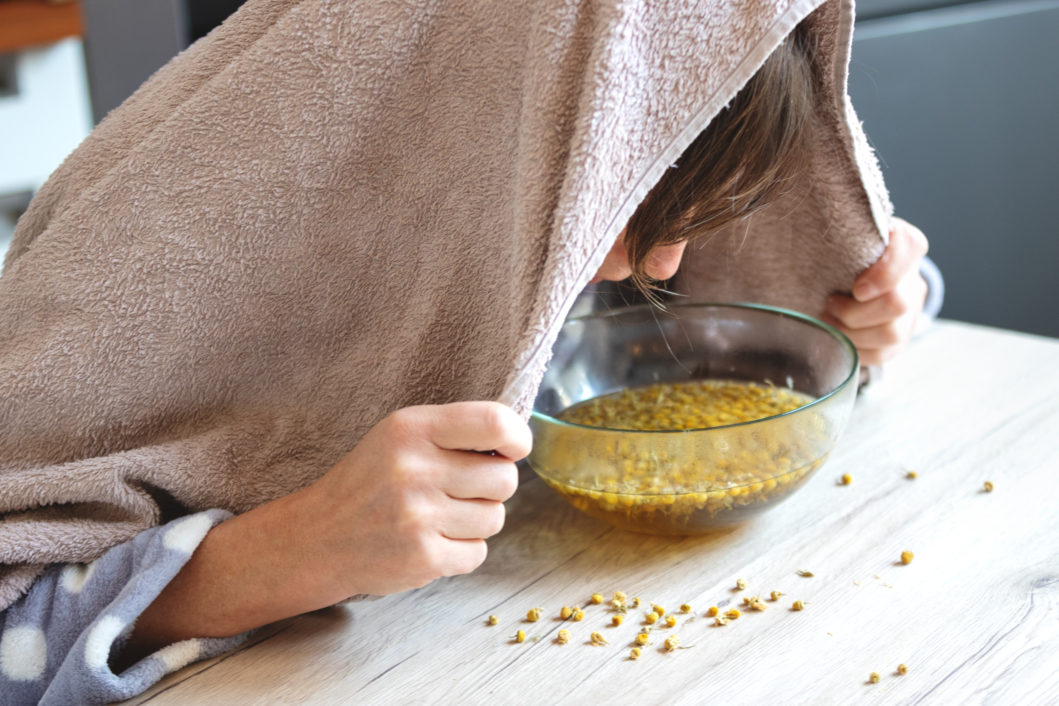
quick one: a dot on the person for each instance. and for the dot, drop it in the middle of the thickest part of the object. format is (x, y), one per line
(410, 501)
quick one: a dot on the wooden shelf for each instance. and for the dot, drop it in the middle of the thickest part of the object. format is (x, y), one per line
(28, 23)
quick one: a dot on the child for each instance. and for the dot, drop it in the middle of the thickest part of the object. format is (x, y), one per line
(254, 327)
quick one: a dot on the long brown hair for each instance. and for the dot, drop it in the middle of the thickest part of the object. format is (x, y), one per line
(753, 151)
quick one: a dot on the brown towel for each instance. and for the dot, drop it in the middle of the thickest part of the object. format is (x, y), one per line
(327, 210)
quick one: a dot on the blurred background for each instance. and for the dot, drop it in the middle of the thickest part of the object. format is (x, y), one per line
(960, 100)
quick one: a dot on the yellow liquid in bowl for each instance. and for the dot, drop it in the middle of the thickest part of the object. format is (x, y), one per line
(650, 483)
(688, 405)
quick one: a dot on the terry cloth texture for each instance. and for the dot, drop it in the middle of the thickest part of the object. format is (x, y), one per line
(328, 210)
(56, 641)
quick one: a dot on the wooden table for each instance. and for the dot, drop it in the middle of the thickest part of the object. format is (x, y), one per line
(974, 616)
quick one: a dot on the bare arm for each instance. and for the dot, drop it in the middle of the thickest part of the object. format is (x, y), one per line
(247, 572)
(409, 504)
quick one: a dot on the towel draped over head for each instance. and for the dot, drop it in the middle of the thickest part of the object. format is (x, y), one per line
(328, 210)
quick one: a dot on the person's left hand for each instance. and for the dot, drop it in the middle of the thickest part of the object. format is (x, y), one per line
(887, 298)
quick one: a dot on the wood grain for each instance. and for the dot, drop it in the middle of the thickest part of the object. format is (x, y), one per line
(975, 615)
(28, 23)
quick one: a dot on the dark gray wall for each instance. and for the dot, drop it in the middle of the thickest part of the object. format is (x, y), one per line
(204, 15)
(128, 40)
(873, 9)
(962, 105)
(125, 42)
(8, 75)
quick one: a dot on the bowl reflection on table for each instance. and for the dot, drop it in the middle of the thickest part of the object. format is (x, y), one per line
(698, 480)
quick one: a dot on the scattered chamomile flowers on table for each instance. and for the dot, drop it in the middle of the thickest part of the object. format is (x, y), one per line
(658, 618)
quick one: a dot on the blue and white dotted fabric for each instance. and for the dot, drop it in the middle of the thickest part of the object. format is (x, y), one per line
(56, 641)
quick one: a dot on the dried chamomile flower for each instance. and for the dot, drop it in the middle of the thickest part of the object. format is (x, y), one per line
(713, 611)
(617, 620)
(635, 602)
(746, 600)
(579, 615)
(685, 608)
(902, 669)
(911, 475)
(520, 636)
(618, 605)
(846, 479)
(642, 638)
(672, 642)
(733, 614)
(620, 596)
(805, 574)
(758, 604)
(874, 678)
(493, 620)
(651, 618)
(658, 609)
(635, 653)
(598, 639)
(907, 557)
(988, 487)
(563, 637)
(741, 584)
(720, 620)
(798, 605)
(597, 598)
(671, 621)
(776, 595)
(566, 612)
(534, 614)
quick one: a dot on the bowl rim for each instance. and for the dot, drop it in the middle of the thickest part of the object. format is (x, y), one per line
(804, 318)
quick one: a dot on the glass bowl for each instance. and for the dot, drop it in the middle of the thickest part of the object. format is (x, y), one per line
(694, 480)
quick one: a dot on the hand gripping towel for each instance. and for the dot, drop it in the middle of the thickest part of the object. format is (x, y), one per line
(327, 210)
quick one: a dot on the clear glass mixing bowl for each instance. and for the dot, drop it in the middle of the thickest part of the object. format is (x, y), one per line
(697, 480)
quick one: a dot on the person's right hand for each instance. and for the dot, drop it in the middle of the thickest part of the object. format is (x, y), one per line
(410, 504)
(413, 502)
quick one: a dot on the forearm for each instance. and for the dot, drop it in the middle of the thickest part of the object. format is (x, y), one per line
(249, 571)
(62, 631)
(405, 507)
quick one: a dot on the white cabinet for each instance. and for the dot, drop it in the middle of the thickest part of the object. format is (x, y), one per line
(46, 118)
(41, 121)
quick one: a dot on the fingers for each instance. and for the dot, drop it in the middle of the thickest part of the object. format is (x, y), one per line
(887, 298)
(470, 519)
(876, 344)
(469, 476)
(857, 315)
(907, 246)
(464, 556)
(442, 557)
(480, 426)
(906, 297)
(875, 358)
(875, 337)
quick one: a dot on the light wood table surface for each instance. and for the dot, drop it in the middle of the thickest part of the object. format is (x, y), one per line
(975, 616)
